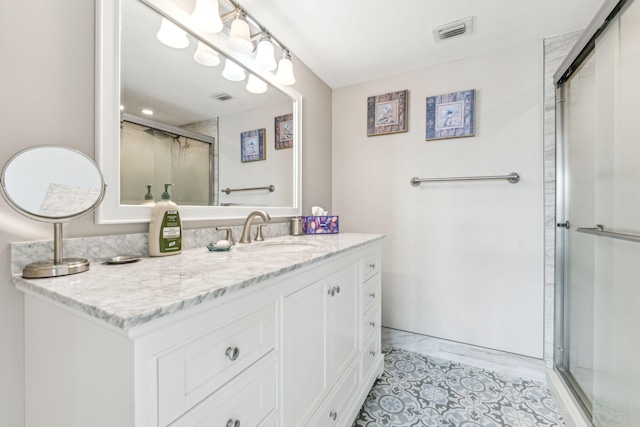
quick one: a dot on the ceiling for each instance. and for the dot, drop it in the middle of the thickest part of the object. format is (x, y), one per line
(352, 41)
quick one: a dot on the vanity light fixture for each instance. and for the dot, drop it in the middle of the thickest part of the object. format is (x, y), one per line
(206, 56)
(284, 75)
(206, 16)
(233, 71)
(240, 37)
(265, 54)
(172, 35)
(255, 85)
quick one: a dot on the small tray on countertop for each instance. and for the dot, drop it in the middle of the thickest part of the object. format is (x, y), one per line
(121, 259)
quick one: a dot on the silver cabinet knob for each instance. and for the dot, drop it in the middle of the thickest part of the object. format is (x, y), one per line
(332, 291)
(233, 423)
(372, 353)
(337, 289)
(372, 266)
(372, 294)
(333, 415)
(372, 324)
(232, 353)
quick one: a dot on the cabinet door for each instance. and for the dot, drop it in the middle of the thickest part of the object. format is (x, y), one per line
(343, 322)
(304, 351)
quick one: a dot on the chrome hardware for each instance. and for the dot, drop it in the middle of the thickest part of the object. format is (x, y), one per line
(332, 292)
(232, 353)
(372, 294)
(333, 415)
(565, 224)
(229, 236)
(512, 178)
(337, 289)
(271, 189)
(246, 230)
(259, 237)
(372, 353)
(372, 266)
(233, 423)
(372, 324)
(598, 230)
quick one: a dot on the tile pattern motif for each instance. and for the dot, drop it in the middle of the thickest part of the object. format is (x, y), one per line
(419, 390)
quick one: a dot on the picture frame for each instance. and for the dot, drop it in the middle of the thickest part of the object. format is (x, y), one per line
(387, 113)
(252, 146)
(283, 131)
(451, 115)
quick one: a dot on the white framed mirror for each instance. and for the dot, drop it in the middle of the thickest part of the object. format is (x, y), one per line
(188, 124)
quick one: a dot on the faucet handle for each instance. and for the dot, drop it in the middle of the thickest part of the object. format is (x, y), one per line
(259, 237)
(229, 236)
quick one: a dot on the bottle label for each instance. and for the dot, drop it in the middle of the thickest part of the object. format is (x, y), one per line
(171, 237)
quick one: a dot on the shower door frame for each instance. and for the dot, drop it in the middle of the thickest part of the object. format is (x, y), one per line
(571, 65)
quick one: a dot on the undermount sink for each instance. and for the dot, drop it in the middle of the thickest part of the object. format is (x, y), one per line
(277, 247)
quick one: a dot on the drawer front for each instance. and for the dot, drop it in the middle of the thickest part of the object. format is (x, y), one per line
(331, 413)
(370, 266)
(192, 372)
(370, 354)
(370, 293)
(370, 323)
(248, 401)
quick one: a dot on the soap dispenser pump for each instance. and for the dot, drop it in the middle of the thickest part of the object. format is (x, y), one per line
(148, 198)
(165, 227)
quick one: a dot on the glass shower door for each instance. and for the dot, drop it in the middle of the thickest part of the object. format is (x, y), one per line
(599, 348)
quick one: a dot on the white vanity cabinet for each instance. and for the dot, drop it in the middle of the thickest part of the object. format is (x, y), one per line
(300, 348)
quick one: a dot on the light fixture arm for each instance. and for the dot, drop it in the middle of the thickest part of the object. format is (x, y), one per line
(250, 19)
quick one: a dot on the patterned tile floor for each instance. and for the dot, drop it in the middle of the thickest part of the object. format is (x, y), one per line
(418, 390)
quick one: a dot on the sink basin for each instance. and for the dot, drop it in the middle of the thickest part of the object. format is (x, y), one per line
(277, 247)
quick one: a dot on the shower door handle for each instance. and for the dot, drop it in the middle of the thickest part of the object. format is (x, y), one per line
(565, 224)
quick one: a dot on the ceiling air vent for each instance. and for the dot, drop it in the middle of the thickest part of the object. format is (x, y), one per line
(221, 96)
(453, 29)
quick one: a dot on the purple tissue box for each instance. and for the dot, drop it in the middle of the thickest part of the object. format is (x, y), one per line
(320, 224)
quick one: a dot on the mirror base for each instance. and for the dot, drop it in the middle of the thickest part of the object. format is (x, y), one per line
(44, 269)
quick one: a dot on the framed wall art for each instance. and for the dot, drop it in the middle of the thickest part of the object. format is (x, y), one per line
(284, 131)
(252, 146)
(387, 113)
(451, 115)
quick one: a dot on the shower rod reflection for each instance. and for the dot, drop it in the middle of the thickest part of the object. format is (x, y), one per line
(512, 178)
(271, 189)
(598, 230)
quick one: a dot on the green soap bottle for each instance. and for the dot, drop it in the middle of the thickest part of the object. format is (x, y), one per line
(165, 227)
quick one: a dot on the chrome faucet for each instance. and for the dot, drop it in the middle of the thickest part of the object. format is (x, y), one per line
(246, 231)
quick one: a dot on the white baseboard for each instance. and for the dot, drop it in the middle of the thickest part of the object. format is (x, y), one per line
(573, 413)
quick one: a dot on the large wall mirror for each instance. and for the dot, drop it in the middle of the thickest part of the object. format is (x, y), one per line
(167, 115)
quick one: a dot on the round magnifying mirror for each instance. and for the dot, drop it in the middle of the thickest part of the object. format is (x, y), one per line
(53, 184)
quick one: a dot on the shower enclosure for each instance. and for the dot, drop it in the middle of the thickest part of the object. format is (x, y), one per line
(597, 342)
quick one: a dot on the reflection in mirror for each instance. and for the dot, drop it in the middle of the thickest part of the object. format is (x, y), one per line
(53, 184)
(190, 134)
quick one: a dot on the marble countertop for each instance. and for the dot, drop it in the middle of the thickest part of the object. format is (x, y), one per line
(127, 295)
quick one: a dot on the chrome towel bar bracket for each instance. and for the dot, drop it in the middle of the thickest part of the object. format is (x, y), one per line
(512, 178)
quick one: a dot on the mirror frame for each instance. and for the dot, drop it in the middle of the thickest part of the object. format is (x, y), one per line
(107, 126)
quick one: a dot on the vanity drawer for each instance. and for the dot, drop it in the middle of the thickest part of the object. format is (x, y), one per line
(370, 323)
(331, 412)
(370, 355)
(370, 292)
(192, 372)
(247, 401)
(370, 265)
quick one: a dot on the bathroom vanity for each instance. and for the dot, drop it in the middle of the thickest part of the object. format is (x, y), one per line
(285, 332)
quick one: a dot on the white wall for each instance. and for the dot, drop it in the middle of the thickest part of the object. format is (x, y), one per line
(276, 169)
(461, 261)
(47, 97)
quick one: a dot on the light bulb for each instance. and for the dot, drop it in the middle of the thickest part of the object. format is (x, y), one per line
(240, 37)
(265, 55)
(284, 75)
(233, 71)
(172, 35)
(206, 56)
(255, 85)
(206, 16)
